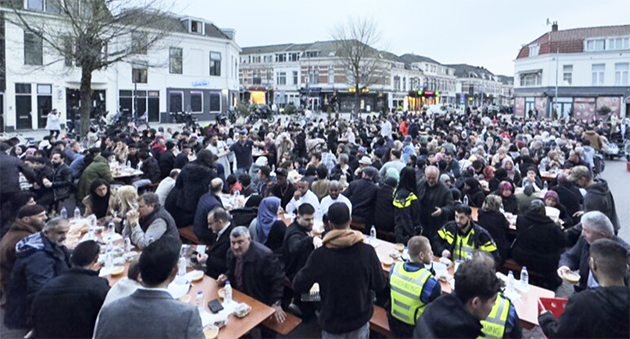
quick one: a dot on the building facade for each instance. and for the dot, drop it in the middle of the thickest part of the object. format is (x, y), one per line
(480, 87)
(587, 68)
(194, 69)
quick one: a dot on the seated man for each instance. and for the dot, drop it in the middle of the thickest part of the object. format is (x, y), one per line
(137, 315)
(302, 195)
(125, 286)
(166, 185)
(601, 312)
(150, 222)
(67, 306)
(207, 203)
(459, 315)
(412, 279)
(460, 238)
(254, 270)
(219, 222)
(595, 225)
(333, 197)
(40, 257)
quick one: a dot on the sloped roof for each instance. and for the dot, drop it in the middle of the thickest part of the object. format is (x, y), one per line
(412, 58)
(571, 40)
(465, 71)
(506, 80)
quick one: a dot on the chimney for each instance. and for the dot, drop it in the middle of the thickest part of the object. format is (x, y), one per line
(554, 27)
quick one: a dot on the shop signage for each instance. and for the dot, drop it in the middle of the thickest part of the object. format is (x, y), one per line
(200, 83)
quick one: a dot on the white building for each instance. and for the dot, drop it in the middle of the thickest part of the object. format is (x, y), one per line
(194, 69)
(588, 67)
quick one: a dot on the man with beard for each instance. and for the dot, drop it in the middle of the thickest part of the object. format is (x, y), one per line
(61, 183)
(220, 149)
(283, 189)
(30, 220)
(44, 172)
(433, 192)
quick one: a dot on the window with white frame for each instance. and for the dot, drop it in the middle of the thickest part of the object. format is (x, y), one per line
(215, 63)
(281, 57)
(296, 80)
(567, 75)
(268, 58)
(294, 56)
(331, 74)
(139, 72)
(618, 43)
(196, 102)
(33, 49)
(621, 73)
(175, 60)
(313, 76)
(595, 45)
(597, 71)
(533, 50)
(176, 101)
(281, 79)
(531, 79)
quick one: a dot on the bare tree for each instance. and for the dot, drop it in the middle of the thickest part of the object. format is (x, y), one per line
(355, 41)
(94, 34)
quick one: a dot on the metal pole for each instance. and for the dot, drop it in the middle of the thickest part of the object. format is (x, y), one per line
(135, 100)
(556, 94)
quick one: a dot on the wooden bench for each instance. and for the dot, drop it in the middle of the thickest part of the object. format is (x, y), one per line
(188, 234)
(511, 265)
(379, 322)
(289, 324)
(355, 225)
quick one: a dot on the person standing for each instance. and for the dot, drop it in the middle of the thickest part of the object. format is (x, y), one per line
(11, 167)
(407, 207)
(53, 124)
(345, 308)
(61, 183)
(243, 153)
(433, 192)
(598, 196)
(76, 296)
(221, 150)
(362, 194)
(135, 316)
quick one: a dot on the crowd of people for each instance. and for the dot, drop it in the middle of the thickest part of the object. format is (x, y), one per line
(452, 185)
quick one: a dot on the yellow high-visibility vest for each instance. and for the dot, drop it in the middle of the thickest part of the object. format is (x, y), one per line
(494, 324)
(406, 288)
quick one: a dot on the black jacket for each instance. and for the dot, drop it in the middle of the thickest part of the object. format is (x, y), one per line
(480, 238)
(207, 203)
(167, 163)
(362, 195)
(539, 244)
(495, 223)
(407, 209)
(262, 276)
(287, 196)
(476, 197)
(10, 167)
(384, 219)
(67, 306)
(570, 197)
(510, 204)
(345, 306)
(577, 259)
(597, 313)
(151, 170)
(181, 160)
(296, 248)
(430, 198)
(193, 182)
(446, 317)
(61, 182)
(217, 254)
(599, 198)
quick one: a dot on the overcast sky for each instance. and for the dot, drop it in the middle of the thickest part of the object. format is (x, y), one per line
(485, 33)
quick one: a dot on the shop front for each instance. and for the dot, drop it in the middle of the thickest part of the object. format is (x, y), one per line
(417, 99)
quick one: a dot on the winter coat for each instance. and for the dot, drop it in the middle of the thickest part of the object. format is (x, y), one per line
(384, 219)
(151, 170)
(446, 317)
(430, 198)
(480, 239)
(18, 231)
(167, 163)
(207, 203)
(98, 169)
(192, 183)
(599, 198)
(38, 261)
(407, 211)
(570, 197)
(62, 182)
(495, 223)
(10, 167)
(217, 253)
(362, 194)
(296, 248)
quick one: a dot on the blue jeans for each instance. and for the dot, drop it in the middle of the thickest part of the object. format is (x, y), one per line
(362, 332)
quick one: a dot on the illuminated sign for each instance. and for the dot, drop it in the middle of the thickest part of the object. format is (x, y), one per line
(354, 90)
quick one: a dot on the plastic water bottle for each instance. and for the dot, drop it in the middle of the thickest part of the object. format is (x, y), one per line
(151, 239)
(373, 233)
(465, 201)
(109, 255)
(510, 285)
(127, 244)
(128, 164)
(77, 213)
(199, 300)
(228, 292)
(524, 279)
(545, 186)
(457, 262)
(111, 228)
(64, 213)
(181, 266)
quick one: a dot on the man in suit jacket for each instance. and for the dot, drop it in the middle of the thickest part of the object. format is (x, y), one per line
(136, 316)
(219, 221)
(207, 203)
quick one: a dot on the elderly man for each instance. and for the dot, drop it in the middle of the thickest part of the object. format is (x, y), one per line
(434, 193)
(302, 195)
(30, 220)
(219, 222)
(333, 197)
(76, 296)
(362, 194)
(40, 257)
(254, 270)
(207, 203)
(595, 225)
(150, 222)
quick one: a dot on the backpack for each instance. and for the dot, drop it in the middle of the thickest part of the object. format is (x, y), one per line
(598, 164)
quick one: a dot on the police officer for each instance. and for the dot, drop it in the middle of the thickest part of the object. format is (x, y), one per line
(412, 288)
(460, 238)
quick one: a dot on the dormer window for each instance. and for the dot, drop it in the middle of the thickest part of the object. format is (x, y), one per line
(533, 50)
(197, 27)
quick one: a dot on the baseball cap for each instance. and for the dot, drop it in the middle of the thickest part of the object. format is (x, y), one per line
(579, 172)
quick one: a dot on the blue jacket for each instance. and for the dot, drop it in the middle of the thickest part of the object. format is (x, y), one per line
(38, 261)
(206, 204)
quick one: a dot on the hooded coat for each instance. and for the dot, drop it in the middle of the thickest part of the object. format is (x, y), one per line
(98, 169)
(599, 198)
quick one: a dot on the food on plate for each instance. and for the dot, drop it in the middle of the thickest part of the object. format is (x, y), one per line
(211, 331)
(221, 293)
(185, 299)
(387, 261)
(400, 247)
(118, 270)
(242, 310)
(196, 275)
(394, 254)
(571, 277)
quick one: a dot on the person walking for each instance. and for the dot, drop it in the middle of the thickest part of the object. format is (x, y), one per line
(53, 124)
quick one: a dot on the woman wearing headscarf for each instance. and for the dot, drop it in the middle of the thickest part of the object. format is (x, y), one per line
(407, 216)
(491, 218)
(267, 228)
(512, 172)
(505, 191)
(474, 192)
(553, 200)
(97, 200)
(539, 244)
